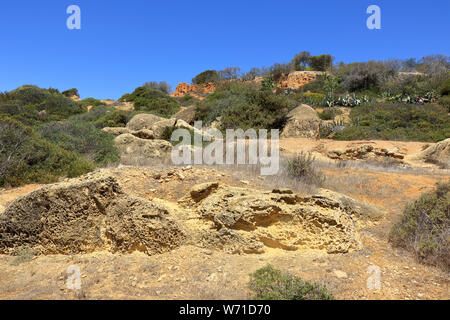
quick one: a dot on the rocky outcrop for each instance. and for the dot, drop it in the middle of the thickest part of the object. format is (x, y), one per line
(186, 114)
(246, 220)
(143, 133)
(134, 150)
(363, 152)
(159, 127)
(143, 121)
(303, 122)
(88, 214)
(438, 153)
(298, 79)
(117, 131)
(194, 90)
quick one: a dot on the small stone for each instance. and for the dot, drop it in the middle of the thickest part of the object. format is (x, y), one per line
(340, 274)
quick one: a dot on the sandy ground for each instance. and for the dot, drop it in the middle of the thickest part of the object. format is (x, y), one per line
(194, 273)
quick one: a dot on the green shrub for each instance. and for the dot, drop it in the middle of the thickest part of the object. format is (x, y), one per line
(26, 158)
(33, 106)
(84, 139)
(71, 92)
(321, 63)
(314, 99)
(115, 118)
(206, 77)
(444, 101)
(92, 102)
(404, 122)
(94, 114)
(243, 105)
(445, 89)
(161, 86)
(301, 167)
(267, 84)
(269, 283)
(187, 100)
(153, 101)
(329, 113)
(361, 76)
(424, 227)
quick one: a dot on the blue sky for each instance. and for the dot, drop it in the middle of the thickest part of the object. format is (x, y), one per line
(123, 44)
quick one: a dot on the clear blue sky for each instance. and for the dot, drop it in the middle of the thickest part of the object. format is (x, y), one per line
(123, 44)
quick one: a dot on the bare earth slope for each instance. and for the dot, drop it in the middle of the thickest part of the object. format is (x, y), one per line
(206, 264)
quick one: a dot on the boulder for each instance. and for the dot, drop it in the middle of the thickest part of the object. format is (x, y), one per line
(248, 220)
(143, 121)
(303, 122)
(186, 114)
(134, 149)
(144, 134)
(364, 152)
(84, 215)
(158, 127)
(438, 153)
(117, 131)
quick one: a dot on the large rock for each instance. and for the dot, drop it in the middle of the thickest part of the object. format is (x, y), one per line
(364, 152)
(303, 122)
(298, 79)
(186, 114)
(159, 127)
(246, 220)
(117, 131)
(438, 153)
(85, 215)
(194, 90)
(143, 121)
(143, 133)
(134, 150)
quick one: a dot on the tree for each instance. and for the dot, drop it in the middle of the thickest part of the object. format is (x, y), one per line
(229, 73)
(300, 61)
(161, 86)
(435, 63)
(206, 77)
(321, 63)
(252, 74)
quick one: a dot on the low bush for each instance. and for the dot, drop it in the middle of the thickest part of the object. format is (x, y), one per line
(33, 106)
(445, 89)
(206, 77)
(301, 167)
(269, 283)
(27, 158)
(153, 101)
(391, 121)
(244, 105)
(161, 86)
(71, 92)
(444, 101)
(424, 227)
(92, 102)
(84, 139)
(329, 113)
